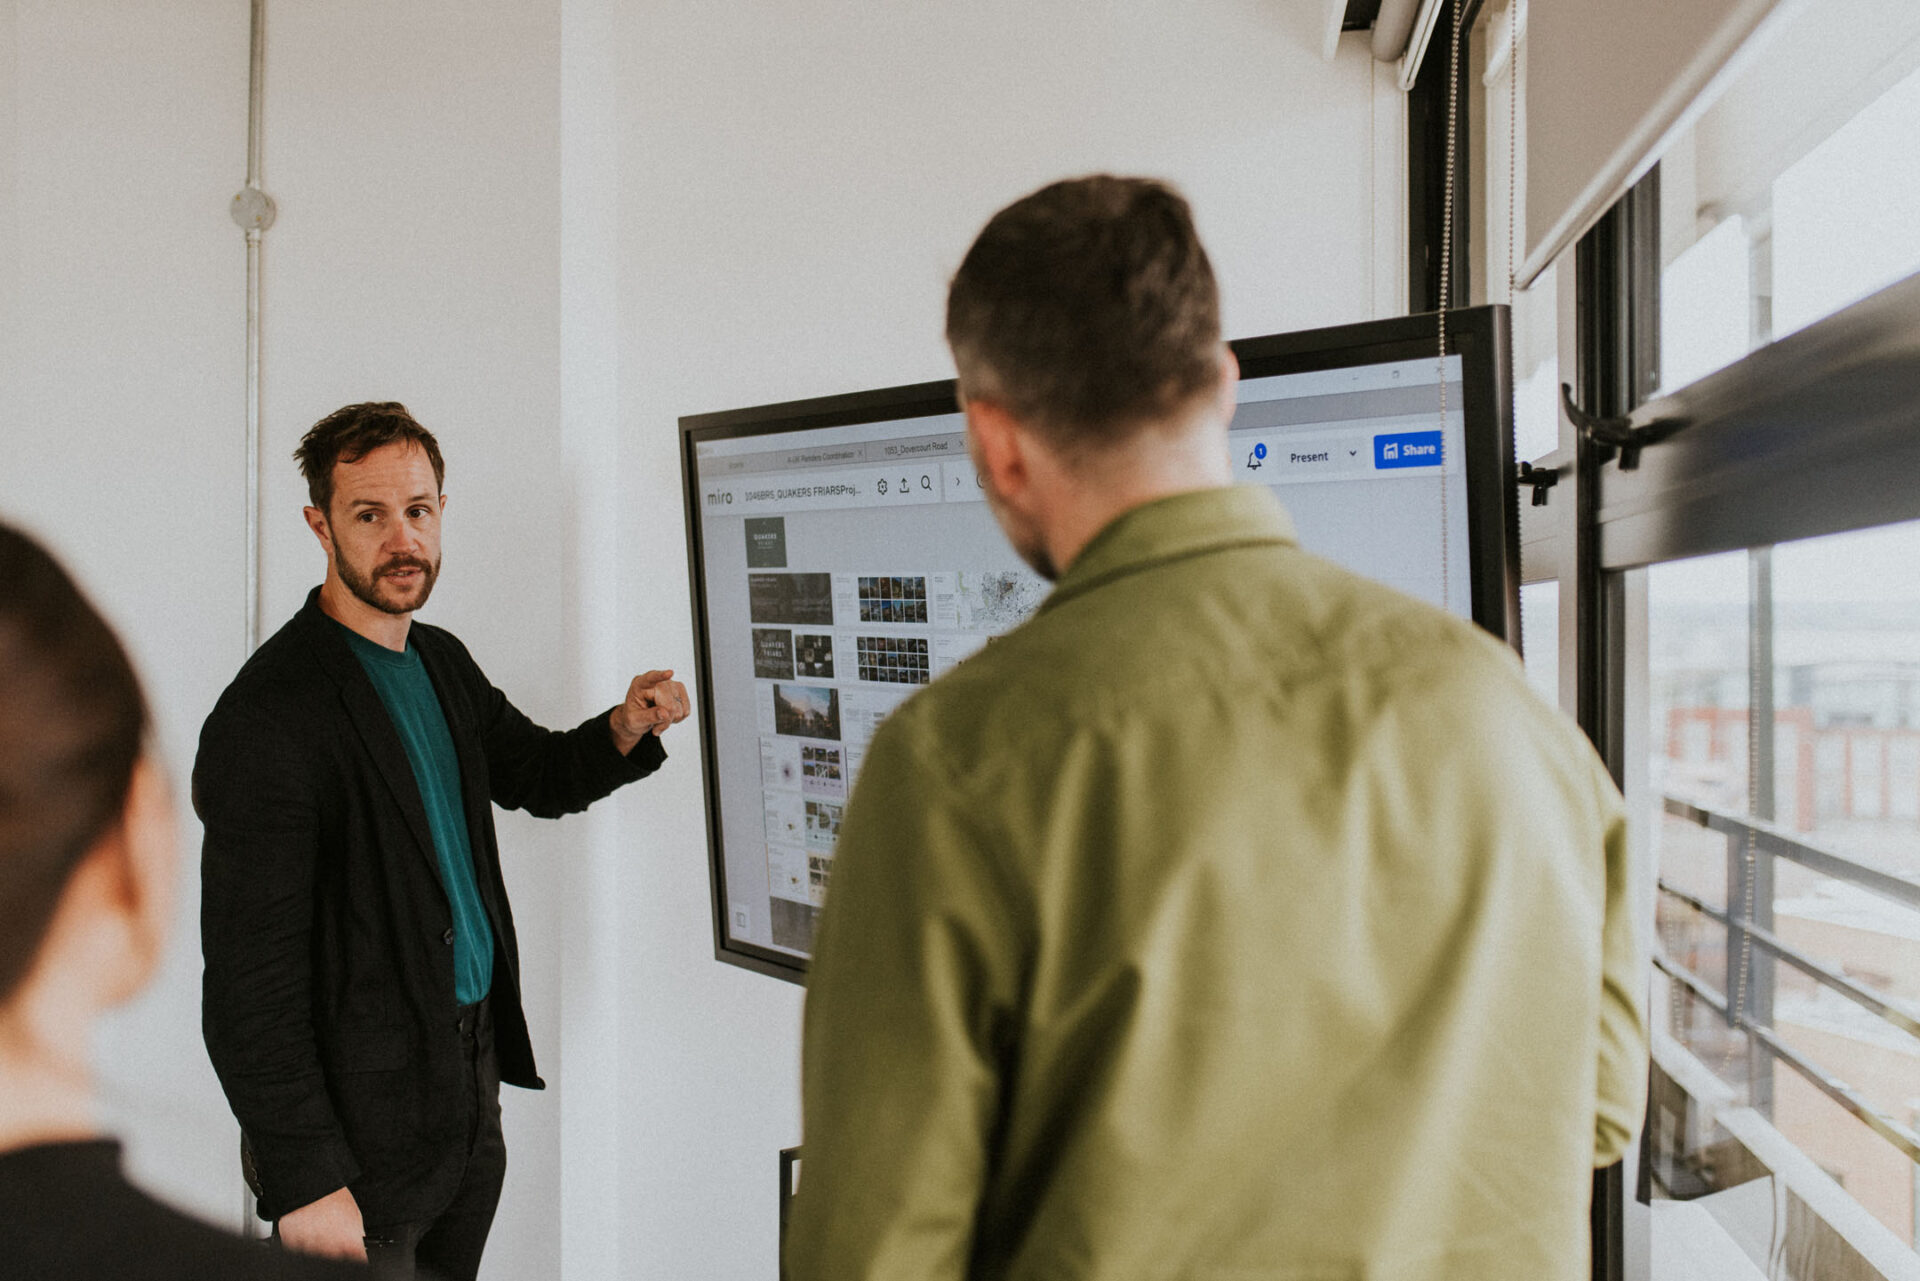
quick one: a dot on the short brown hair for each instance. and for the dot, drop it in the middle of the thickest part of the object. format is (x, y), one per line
(1088, 309)
(72, 726)
(351, 433)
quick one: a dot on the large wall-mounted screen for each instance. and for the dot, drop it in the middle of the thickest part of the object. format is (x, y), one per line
(843, 556)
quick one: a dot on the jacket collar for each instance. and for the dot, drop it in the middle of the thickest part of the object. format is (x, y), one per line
(370, 719)
(1175, 528)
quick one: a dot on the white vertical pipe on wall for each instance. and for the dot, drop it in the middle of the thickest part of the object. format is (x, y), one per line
(253, 209)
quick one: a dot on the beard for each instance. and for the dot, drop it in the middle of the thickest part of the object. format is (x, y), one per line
(377, 590)
(1034, 552)
(1027, 542)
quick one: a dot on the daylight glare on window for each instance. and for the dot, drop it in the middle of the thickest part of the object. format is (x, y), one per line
(1784, 763)
(1795, 194)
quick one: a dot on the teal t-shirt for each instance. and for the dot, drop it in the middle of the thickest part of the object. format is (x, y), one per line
(405, 688)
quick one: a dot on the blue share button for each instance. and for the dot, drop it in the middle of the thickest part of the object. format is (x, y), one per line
(1407, 449)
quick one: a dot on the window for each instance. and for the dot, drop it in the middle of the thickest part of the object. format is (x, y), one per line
(1784, 790)
(1540, 637)
(1500, 78)
(1774, 770)
(1743, 637)
(1742, 615)
(1496, 78)
(1795, 193)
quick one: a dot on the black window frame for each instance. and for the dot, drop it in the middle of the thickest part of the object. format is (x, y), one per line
(1811, 434)
(1617, 346)
(1427, 110)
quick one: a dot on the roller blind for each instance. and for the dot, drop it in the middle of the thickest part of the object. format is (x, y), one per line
(1608, 82)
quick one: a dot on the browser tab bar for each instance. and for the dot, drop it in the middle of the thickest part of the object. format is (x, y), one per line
(944, 446)
(823, 456)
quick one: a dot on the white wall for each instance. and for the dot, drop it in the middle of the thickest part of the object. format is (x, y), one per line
(797, 182)
(414, 150)
(123, 401)
(551, 230)
(414, 153)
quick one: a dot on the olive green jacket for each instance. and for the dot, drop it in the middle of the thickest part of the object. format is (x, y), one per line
(1233, 918)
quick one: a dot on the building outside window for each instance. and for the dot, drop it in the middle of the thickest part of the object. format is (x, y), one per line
(1782, 697)
(1783, 687)
(1769, 700)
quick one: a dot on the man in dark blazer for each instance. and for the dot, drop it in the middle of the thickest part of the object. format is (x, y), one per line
(362, 988)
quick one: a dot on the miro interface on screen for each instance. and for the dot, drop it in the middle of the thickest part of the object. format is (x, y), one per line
(846, 567)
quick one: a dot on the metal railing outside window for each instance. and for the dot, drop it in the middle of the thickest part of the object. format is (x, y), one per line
(1752, 848)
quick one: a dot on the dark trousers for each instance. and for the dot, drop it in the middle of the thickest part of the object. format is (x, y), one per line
(448, 1245)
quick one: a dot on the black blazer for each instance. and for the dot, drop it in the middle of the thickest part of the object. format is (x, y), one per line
(328, 1001)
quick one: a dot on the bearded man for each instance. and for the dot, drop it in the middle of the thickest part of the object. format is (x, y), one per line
(1233, 917)
(362, 989)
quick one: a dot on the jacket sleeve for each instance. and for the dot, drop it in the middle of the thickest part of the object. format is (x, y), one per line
(254, 794)
(909, 1032)
(547, 772)
(1622, 1079)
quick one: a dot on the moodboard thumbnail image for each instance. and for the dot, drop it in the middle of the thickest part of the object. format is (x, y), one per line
(893, 660)
(893, 599)
(806, 711)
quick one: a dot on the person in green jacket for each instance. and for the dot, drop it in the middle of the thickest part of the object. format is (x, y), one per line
(1235, 917)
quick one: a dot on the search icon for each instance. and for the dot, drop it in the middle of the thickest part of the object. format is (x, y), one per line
(926, 482)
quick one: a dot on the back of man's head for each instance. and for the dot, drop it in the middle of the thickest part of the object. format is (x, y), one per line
(1088, 310)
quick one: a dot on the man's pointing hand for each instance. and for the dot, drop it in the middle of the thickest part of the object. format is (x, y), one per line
(654, 701)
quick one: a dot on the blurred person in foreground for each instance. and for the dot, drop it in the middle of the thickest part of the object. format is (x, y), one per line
(1233, 917)
(87, 865)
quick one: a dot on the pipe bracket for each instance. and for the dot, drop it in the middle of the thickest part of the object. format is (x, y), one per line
(253, 209)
